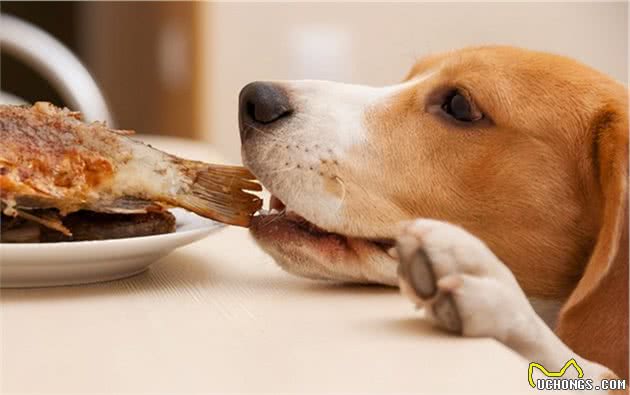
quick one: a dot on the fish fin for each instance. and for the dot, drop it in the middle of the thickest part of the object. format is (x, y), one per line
(50, 220)
(122, 132)
(218, 192)
(125, 205)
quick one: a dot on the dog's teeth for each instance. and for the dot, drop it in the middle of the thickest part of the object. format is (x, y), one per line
(263, 211)
(393, 252)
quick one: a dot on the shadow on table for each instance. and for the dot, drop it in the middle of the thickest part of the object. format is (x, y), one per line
(412, 326)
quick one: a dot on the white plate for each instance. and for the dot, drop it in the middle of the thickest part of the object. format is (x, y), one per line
(80, 262)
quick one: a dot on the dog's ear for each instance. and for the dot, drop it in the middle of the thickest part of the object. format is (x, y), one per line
(594, 320)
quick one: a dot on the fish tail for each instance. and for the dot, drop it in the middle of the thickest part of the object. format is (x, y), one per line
(219, 192)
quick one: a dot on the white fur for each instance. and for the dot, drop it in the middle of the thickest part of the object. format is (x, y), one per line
(327, 123)
(339, 109)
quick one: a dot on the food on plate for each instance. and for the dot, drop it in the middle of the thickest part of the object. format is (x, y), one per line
(86, 225)
(57, 171)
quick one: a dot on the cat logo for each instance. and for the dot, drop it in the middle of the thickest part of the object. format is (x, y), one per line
(547, 373)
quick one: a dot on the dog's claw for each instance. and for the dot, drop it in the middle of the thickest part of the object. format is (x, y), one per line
(416, 268)
(446, 313)
(417, 274)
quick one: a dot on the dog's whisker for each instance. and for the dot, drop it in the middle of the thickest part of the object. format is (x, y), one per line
(278, 216)
(307, 117)
(251, 126)
(268, 135)
(343, 191)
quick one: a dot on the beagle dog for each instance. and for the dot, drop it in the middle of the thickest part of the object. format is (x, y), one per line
(491, 185)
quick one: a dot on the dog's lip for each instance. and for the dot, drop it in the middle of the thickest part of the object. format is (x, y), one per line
(278, 214)
(276, 204)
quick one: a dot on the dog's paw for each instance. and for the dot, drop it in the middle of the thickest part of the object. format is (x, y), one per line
(465, 288)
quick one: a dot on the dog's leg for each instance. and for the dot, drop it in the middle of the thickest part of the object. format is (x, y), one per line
(466, 289)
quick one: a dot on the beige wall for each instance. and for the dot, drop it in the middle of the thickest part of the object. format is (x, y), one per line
(147, 70)
(374, 43)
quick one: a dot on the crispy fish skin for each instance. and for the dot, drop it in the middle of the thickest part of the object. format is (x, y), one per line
(50, 158)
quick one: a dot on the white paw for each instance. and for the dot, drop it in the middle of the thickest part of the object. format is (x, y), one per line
(465, 288)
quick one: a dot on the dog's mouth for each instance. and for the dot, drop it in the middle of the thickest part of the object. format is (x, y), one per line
(289, 226)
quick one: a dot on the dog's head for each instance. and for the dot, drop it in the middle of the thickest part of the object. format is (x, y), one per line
(497, 140)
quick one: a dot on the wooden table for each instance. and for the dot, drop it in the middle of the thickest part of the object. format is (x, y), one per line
(220, 317)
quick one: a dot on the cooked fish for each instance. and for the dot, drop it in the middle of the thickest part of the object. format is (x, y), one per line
(51, 159)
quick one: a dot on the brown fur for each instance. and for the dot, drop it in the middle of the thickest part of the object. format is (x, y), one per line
(559, 133)
(594, 321)
(543, 182)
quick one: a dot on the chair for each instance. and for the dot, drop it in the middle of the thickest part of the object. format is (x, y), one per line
(57, 64)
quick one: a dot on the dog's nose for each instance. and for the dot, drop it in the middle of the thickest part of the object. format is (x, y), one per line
(261, 103)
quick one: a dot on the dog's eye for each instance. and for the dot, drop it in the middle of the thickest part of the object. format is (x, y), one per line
(460, 107)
